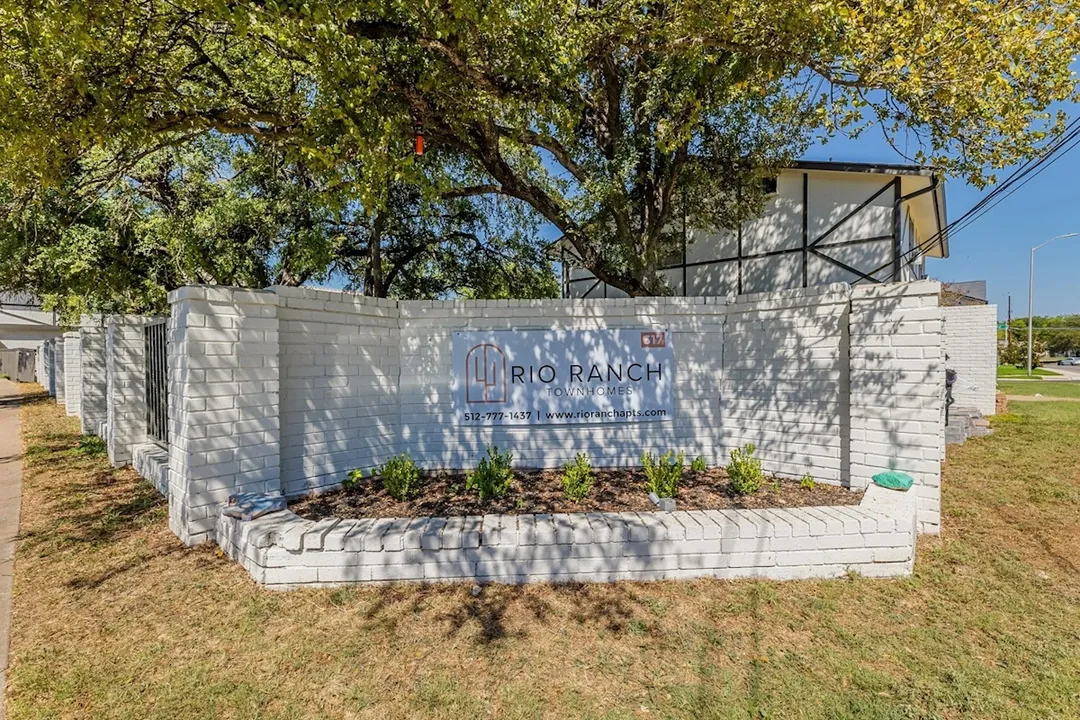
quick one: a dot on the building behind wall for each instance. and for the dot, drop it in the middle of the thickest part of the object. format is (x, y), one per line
(824, 223)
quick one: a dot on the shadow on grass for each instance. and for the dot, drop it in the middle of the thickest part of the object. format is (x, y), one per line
(89, 503)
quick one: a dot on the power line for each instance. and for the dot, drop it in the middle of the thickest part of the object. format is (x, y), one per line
(1031, 168)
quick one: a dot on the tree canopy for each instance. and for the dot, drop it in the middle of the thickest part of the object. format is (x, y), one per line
(1060, 334)
(233, 211)
(612, 120)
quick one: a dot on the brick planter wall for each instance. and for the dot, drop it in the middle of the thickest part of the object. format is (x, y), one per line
(875, 538)
(286, 390)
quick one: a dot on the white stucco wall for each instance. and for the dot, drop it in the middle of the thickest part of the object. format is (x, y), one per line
(971, 346)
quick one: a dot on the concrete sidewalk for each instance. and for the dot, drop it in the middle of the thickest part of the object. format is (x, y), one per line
(10, 498)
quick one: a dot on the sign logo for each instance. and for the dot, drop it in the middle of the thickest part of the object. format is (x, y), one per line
(653, 339)
(485, 374)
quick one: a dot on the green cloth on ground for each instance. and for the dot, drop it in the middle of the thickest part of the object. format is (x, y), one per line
(894, 480)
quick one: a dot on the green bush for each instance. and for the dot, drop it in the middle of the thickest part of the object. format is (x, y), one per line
(698, 465)
(577, 479)
(492, 476)
(744, 472)
(92, 445)
(662, 475)
(807, 482)
(352, 479)
(400, 476)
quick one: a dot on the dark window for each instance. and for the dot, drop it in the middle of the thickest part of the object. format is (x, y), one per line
(768, 184)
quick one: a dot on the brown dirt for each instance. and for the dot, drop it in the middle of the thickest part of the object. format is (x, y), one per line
(539, 491)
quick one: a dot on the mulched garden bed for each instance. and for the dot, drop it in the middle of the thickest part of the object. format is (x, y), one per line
(539, 491)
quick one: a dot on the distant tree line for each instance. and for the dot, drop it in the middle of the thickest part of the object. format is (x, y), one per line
(1053, 334)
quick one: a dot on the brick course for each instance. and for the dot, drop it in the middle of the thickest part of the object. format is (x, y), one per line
(971, 346)
(125, 373)
(73, 373)
(287, 390)
(94, 405)
(224, 427)
(876, 538)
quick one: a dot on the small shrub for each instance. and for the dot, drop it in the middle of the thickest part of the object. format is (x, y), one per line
(807, 482)
(92, 445)
(744, 472)
(698, 465)
(577, 479)
(662, 475)
(492, 476)
(352, 479)
(400, 476)
(4, 376)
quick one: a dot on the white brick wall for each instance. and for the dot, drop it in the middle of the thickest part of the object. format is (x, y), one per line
(73, 373)
(48, 366)
(339, 379)
(39, 366)
(224, 409)
(784, 362)
(93, 406)
(971, 347)
(897, 389)
(125, 370)
(58, 370)
(876, 538)
(427, 427)
(836, 382)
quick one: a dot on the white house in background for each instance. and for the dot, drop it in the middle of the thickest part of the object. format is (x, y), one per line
(825, 222)
(23, 322)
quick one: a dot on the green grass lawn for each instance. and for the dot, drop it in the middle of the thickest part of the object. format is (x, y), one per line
(115, 619)
(1008, 371)
(1048, 389)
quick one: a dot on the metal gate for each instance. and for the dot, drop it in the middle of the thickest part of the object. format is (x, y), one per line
(157, 381)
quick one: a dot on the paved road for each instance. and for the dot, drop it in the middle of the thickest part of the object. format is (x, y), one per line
(10, 498)
(1072, 372)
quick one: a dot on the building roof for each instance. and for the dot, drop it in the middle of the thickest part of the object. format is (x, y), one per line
(930, 179)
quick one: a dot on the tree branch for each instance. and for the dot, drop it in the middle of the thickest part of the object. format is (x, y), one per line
(553, 146)
(473, 190)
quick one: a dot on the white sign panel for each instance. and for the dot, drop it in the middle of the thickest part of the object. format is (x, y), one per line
(560, 377)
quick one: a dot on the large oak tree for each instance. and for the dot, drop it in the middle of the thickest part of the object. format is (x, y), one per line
(610, 119)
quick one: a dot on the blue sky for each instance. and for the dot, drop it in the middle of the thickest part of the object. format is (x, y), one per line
(996, 247)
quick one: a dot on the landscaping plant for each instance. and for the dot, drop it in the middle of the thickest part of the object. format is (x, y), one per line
(400, 476)
(662, 475)
(492, 476)
(577, 479)
(744, 472)
(698, 465)
(352, 479)
(807, 482)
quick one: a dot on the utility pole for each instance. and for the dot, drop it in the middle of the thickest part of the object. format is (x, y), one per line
(1031, 293)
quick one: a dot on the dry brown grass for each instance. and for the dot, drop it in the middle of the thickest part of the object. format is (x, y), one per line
(114, 619)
